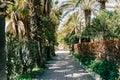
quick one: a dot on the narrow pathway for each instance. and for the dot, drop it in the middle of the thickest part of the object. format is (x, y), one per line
(64, 67)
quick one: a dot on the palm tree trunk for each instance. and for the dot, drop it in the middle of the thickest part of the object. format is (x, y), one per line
(27, 26)
(2, 49)
(87, 17)
(47, 7)
(102, 5)
(44, 11)
(35, 13)
(87, 14)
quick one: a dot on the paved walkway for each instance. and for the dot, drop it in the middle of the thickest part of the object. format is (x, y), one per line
(64, 67)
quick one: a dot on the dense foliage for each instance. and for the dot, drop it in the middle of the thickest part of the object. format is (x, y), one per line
(108, 23)
(108, 70)
(21, 56)
(30, 36)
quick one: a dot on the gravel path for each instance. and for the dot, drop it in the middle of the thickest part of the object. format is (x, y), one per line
(64, 67)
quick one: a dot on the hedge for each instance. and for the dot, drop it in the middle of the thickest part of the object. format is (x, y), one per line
(109, 49)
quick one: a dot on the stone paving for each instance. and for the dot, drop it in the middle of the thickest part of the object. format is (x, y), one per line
(64, 67)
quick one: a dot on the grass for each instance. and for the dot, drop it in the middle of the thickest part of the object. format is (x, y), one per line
(30, 76)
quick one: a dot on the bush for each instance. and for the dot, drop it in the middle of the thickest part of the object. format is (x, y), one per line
(108, 70)
(85, 60)
(21, 56)
(107, 22)
(31, 75)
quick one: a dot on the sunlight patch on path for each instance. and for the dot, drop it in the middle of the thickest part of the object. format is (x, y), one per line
(62, 52)
(64, 67)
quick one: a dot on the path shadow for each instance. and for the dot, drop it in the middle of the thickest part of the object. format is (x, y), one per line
(64, 67)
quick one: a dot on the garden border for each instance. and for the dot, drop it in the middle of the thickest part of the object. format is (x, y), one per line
(93, 74)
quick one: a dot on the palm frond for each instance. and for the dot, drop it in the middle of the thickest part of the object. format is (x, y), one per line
(87, 4)
(67, 12)
(11, 28)
(77, 3)
(66, 5)
(21, 29)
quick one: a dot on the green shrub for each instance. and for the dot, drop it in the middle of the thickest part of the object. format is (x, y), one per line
(107, 22)
(21, 56)
(29, 76)
(24, 76)
(76, 56)
(108, 70)
(85, 60)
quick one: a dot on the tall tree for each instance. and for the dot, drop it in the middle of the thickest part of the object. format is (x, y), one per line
(35, 14)
(18, 13)
(102, 4)
(88, 6)
(74, 24)
(2, 42)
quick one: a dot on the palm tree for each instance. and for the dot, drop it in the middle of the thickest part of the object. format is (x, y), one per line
(36, 30)
(2, 42)
(18, 13)
(20, 28)
(74, 24)
(102, 4)
(88, 6)
(23, 12)
(16, 26)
